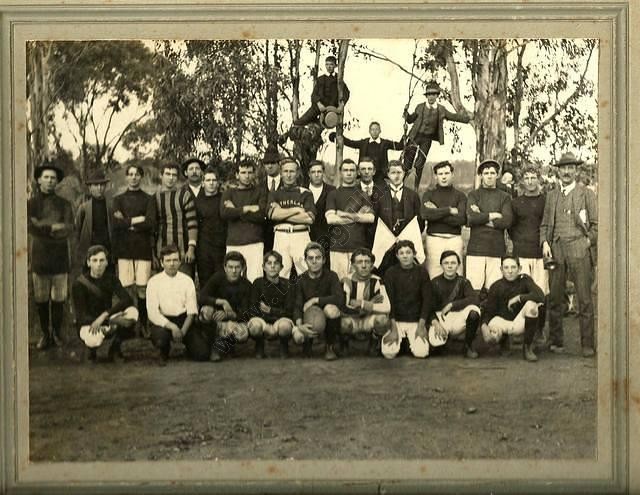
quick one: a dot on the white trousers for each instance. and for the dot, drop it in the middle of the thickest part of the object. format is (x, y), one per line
(499, 326)
(253, 256)
(483, 271)
(454, 323)
(534, 267)
(436, 246)
(340, 263)
(291, 246)
(419, 346)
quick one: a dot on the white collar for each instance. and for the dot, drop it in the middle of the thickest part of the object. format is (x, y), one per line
(396, 189)
(366, 187)
(316, 188)
(196, 189)
(567, 189)
(432, 107)
(378, 140)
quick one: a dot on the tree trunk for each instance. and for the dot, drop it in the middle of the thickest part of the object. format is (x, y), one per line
(316, 64)
(342, 58)
(490, 91)
(294, 72)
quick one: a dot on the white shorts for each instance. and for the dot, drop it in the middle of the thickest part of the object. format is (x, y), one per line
(340, 263)
(454, 323)
(499, 326)
(269, 330)
(94, 340)
(534, 267)
(238, 328)
(483, 271)
(253, 254)
(362, 324)
(437, 245)
(291, 247)
(419, 347)
(132, 272)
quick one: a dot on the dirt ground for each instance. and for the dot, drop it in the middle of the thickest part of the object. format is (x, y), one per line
(357, 408)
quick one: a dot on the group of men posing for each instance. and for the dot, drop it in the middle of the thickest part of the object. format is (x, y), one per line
(242, 245)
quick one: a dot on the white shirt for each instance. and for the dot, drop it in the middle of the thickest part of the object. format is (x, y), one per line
(170, 296)
(270, 180)
(396, 193)
(195, 190)
(367, 188)
(567, 189)
(432, 107)
(378, 140)
(316, 191)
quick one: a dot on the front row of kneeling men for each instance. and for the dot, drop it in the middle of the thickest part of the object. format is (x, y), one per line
(229, 309)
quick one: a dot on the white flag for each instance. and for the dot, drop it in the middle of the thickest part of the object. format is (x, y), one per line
(384, 240)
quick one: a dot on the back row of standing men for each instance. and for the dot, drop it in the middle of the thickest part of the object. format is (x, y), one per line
(205, 225)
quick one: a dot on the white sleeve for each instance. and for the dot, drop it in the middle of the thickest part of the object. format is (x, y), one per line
(153, 305)
(383, 307)
(192, 299)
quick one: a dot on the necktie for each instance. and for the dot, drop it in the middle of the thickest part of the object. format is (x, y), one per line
(273, 185)
(369, 189)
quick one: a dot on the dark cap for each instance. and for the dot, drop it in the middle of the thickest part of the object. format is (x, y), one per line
(189, 161)
(431, 87)
(48, 165)
(487, 164)
(96, 177)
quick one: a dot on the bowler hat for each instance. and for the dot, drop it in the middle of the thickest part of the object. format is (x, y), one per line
(329, 118)
(96, 177)
(488, 163)
(48, 165)
(431, 88)
(271, 155)
(189, 161)
(568, 159)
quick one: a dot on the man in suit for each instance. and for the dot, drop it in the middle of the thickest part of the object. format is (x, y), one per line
(569, 229)
(374, 147)
(396, 208)
(272, 182)
(193, 169)
(320, 189)
(325, 94)
(93, 219)
(428, 126)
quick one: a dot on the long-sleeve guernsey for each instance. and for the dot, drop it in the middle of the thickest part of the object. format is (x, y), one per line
(409, 291)
(486, 240)
(365, 290)
(244, 228)
(89, 306)
(177, 220)
(497, 302)
(280, 297)
(237, 293)
(170, 296)
(440, 220)
(212, 228)
(443, 293)
(133, 241)
(326, 288)
(49, 250)
(525, 230)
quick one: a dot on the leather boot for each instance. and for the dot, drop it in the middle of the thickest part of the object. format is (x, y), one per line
(57, 313)
(471, 328)
(43, 314)
(505, 346)
(330, 353)
(374, 346)
(260, 348)
(307, 348)
(530, 328)
(344, 345)
(284, 347)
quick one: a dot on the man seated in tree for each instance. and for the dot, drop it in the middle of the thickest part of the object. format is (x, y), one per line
(224, 302)
(325, 94)
(177, 219)
(97, 316)
(455, 304)
(511, 308)
(374, 147)
(348, 211)
(318, 287)
(428, 126)
(409, 290)
(366, 308)
(172, 307)
(50, 225)
(272, 300)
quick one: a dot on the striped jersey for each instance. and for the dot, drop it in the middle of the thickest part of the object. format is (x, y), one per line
(177, 220)
(365, 290)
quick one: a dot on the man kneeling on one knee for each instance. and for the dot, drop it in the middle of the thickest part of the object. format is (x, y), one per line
(511, 307)
(272, 302)
(366, 308)
(409, 290)
(97, 317)
(224, 303)
(456, 306)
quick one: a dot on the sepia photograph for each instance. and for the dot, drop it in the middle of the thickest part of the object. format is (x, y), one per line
(311, 257)
(308, 249)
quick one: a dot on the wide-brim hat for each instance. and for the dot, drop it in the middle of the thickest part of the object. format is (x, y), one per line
(96, 177)
(48, 166)
(271, 155)
(329, 118)
(189, 161)
(432, 87)
(488, 163)
(568, 159)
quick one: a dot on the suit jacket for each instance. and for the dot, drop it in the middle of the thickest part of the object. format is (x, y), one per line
(84, 224)
(420, 115)
(187, 188)
(319, 227)
(583, 199)
(410, 205)
(268, 224)
(326, 91)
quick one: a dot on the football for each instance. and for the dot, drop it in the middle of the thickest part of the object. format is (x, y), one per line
(314, 316)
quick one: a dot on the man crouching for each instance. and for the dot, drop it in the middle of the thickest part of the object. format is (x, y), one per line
(511, 308)
(366, 309)
(457, 312)
(224, 302)
(97, 317)
(272, 301)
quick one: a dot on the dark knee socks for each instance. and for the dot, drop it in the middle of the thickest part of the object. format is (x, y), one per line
(57, 312)
(471, 327)
(43, 313)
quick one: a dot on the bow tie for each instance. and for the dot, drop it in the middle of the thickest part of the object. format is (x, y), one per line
(371, 140)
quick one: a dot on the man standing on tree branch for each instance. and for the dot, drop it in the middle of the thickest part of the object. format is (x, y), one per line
(428, 125)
